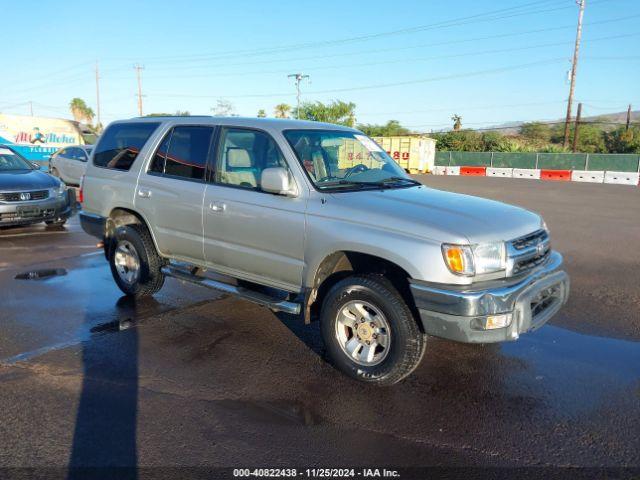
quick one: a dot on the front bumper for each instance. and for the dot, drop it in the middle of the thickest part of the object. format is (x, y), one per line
(26, 213)
(456, 313)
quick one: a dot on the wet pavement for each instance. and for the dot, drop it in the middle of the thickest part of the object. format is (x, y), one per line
(191, 378)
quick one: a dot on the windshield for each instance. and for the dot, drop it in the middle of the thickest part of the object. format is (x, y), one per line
(9, 160)
(336, 159)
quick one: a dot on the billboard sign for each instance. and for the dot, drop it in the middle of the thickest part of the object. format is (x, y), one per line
(36, 138)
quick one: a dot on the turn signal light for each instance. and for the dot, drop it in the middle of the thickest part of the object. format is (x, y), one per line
(459, 259)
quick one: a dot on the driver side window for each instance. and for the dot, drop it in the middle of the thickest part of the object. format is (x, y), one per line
(243, 155)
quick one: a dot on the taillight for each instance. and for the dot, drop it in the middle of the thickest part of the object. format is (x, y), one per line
(80, 192)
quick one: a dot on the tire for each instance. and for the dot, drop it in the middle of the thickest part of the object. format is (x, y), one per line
(372, 297)
(132, 250)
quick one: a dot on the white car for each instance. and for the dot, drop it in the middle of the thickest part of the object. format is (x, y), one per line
(70, 163)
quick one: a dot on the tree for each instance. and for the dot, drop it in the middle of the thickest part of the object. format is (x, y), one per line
(282, 110)
(622, 140)
(461, 140)
(536, 131)
(224, 108)
(339, 112)
(179, 113)
(80, 111)
(390, 129)
(262, 113)
(496, 142)
(457, 122)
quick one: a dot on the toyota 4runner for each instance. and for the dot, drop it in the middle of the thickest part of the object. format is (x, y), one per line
(317, 220)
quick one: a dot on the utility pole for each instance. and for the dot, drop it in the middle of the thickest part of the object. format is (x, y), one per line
(576, 128)
(138, 69)
(628, 117)
(99, 124)
(574, 68)
(31, 107)
(298, 78)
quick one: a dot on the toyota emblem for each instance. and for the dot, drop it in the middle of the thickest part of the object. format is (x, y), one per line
(25, 196)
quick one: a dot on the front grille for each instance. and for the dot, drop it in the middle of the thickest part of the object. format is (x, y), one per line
(530, 263)
(19, 196)
(528, 252)
(530, 240)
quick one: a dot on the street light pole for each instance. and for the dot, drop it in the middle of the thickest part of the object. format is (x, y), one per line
(574, 68)
(298, 78)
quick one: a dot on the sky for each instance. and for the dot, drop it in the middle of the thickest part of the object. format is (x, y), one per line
(418, 62)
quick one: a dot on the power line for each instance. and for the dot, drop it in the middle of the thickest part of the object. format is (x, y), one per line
(394, 49)
(377, 86)
(525, 9)
(418, 59)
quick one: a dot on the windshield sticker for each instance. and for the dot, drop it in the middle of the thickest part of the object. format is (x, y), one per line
(368, 143)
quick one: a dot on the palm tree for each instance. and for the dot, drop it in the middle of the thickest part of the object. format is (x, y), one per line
(457, 122)
(282, 110)
(80, 110)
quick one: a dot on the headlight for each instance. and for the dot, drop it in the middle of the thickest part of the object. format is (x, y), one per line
(543, 225)
(470, 260)
(60, 190)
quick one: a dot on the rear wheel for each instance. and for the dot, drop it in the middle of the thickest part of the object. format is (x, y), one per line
(134, 260)
(369, 331)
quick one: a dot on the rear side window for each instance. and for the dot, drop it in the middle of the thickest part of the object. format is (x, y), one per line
(183, 152)
(120, 144)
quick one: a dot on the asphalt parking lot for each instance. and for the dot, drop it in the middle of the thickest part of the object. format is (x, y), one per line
(190, 378)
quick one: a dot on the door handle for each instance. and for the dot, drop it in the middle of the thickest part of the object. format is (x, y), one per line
(144, 193)
(217, 207)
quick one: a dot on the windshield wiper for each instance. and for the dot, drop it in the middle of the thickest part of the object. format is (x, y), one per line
(404, 179)
(385, 183)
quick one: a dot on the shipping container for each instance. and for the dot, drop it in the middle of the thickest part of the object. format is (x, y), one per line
(415, 154)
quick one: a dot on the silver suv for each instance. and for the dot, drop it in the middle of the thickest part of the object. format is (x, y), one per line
(317, 220)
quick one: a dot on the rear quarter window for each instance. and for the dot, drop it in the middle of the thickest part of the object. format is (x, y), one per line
(120, 144)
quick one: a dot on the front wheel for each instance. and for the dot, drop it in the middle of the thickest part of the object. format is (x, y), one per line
(369, 331)
(135, 263)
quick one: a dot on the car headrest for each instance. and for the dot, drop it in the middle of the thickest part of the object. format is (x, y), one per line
(238, 158)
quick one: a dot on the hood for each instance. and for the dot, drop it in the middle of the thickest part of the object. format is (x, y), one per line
(437, 215)
(26, 180)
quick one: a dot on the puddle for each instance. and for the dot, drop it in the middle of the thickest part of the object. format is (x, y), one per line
(280, 412)
(41, 274)
(574, 372)
(115, 326)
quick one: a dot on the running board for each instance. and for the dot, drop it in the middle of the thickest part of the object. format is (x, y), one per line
(244, 293)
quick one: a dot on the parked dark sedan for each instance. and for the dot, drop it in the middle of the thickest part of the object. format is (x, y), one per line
(28, 195)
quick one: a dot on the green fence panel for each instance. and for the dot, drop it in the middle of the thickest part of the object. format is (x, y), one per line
(471, 159)
(442, 159)
(562, 161)
(514, 160)
(614, 162)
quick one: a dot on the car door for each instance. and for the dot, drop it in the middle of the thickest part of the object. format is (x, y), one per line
(76, 161)
(249, 233)
(79, 165)
(60, 164)
(170, 192)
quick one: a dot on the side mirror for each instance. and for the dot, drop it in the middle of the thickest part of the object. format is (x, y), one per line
(276, 180)
(35, 165)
